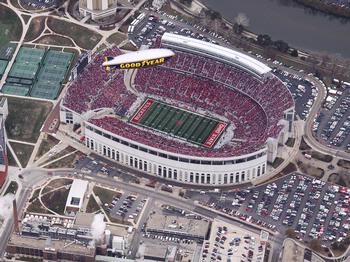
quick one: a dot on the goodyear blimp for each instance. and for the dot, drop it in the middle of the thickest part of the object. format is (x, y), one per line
(143, 58)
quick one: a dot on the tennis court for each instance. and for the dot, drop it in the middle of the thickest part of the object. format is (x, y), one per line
(52, 74)
(3, 65)
(38, 73)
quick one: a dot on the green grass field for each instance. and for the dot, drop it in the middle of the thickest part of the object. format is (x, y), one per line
(183, 124)
(85, 38)
(10, 26)
(25, 118)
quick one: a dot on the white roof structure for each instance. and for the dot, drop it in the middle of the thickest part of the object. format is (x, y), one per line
(76, 193)
(218, 52)
(147, 54)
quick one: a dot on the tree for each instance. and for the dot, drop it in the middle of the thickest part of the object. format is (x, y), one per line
(242, 19)
(238, 29)
(290, 232)
(294, 53)
(213, 14)
(315, 244)
(281, 46)
(264, 40)
(186, 2)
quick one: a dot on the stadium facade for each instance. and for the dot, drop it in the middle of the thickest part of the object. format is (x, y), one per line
(3, 147)
(223, 85)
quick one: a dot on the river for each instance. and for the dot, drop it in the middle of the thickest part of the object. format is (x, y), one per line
(299, 26)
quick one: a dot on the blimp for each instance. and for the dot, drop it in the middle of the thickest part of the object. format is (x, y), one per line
(138, 59)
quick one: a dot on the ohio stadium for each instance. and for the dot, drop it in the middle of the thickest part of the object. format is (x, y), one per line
(208, 116)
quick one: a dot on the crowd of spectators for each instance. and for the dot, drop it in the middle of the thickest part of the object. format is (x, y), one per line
(253, 106)
(97, 88)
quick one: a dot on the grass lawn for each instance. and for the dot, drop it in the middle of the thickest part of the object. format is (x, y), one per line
(311, 170)
(36, 207)
(129, 46)
(26, 118)
(35, 195)
(92, 205)
(10, 26)
(339, 179)
(290, 142)
(12, 188)
(60, 182)
(277, 162)
(65, 151)
(25, 18)
(84, 37)
(46, 145)
(22, 152)
(303, 145)
(344, 163)
(56, 183)
(11, 159)
(56, 201)
(54, 40)
(68, 161)
(321, 157)
(105, 195)
(36, 26)
(116, 38)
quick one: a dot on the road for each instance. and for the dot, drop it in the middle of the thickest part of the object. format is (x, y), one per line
(138, 232)
(308, 133)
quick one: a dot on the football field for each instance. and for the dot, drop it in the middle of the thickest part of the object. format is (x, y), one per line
(183, 124)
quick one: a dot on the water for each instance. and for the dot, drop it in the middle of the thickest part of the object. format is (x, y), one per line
(299, 26)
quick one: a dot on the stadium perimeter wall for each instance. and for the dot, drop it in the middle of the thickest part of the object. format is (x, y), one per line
(190, 173)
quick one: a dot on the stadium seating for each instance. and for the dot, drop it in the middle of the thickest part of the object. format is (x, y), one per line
(96, 88)
(189, 81)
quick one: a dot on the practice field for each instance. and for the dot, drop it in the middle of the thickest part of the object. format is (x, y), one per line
(183, 124)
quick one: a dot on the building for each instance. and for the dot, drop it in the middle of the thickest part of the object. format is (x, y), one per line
(50, 250)
(177, 226)
(119, 244)
(3, 139)
(254, 107)
(157, 4)
(76, 196)
(155, 252)
(98, 9)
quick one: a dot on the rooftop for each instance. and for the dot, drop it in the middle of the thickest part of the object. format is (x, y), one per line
(54, 245)
(178, 224)
(229, 54)
(76, 193)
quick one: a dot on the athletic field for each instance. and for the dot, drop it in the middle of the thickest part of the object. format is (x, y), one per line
(183, 124)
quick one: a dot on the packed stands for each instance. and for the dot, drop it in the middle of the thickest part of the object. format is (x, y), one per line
(96, 88)
(253, 106)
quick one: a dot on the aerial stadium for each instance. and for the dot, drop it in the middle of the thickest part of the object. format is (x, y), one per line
(208, 116)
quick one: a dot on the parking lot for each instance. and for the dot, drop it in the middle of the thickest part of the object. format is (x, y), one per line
(126, 207)
(333, 122)
(303, 92)
(40, 4)
(230, 243)
(146, 29)
(313, 208)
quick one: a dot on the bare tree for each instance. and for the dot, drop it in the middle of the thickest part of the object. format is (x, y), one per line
(242, 19)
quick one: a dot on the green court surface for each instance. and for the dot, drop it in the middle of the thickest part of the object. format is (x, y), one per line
(30, 55)
(38, 72)
(15, 90)
(183, 124)
(6, 51)
(3, 65)
(24, 70)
